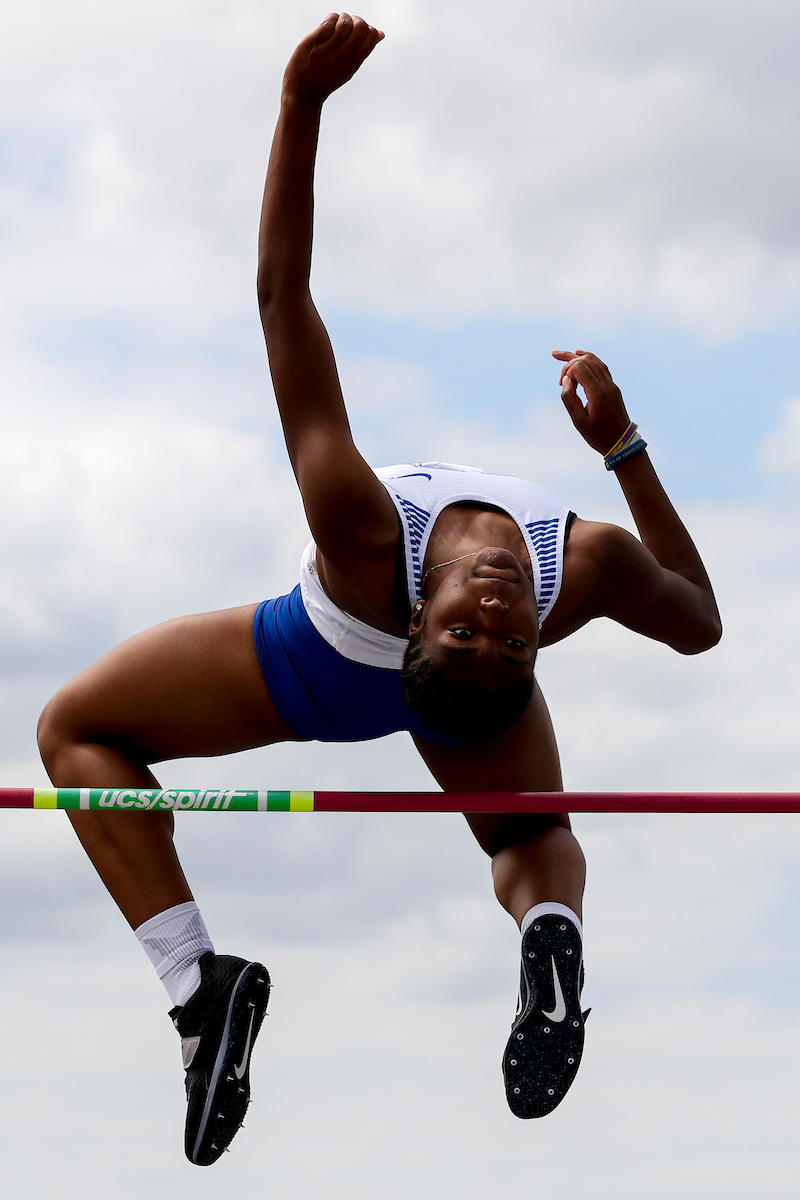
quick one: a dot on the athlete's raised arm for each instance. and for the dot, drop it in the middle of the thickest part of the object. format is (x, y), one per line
(659, 586)
(348, 509)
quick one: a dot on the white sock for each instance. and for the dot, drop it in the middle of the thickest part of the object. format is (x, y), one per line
(173, 940)
(560, 910)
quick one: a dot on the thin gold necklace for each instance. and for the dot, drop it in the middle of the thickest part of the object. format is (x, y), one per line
(449, 563)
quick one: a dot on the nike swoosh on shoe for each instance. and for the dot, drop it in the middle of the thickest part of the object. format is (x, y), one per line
(560, 1010)
(240, 1068)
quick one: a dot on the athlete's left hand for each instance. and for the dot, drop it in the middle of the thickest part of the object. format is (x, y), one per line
(603, 419)
(328, 57)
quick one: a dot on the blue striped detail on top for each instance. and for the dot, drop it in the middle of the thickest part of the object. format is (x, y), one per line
(544, 535)
(417, 521)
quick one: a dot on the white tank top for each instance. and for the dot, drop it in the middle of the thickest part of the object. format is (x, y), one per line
(420, 492)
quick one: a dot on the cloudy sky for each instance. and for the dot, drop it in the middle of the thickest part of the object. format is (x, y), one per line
(499, 180)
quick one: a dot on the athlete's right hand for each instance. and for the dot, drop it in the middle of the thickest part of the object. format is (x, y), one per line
(328, 57)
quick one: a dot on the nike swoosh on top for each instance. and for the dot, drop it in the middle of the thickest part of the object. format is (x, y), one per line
(560, 1010)
(242, 1067)
(414, 475)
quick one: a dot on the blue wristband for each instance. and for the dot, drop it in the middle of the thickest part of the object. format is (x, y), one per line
(626, 452)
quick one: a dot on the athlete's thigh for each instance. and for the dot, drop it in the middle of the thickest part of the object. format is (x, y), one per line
(192, 686)
(523, 759)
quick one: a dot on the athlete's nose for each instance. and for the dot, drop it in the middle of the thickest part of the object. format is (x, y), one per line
(493, 605)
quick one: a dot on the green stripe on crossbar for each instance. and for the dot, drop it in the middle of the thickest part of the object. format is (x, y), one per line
(279, 801)
(290, 801)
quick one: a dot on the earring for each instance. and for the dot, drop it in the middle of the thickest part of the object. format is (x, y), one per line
(417, 606)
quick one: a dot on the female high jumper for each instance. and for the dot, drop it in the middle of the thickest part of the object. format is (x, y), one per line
(423, 600)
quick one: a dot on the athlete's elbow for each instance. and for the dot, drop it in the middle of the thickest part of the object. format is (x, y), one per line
(703, 636)
(715, 633)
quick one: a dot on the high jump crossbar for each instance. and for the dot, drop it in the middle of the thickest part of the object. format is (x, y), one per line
(236, 800)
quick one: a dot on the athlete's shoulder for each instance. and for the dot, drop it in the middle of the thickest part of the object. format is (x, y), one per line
(595, 547)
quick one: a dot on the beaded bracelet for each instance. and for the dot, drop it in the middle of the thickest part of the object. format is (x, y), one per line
(629, 444)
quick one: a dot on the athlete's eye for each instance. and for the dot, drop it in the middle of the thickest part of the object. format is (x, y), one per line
(515, 644)
(462, 634)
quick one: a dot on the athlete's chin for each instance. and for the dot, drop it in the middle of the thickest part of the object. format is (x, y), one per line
(495, 562)
(496, 556)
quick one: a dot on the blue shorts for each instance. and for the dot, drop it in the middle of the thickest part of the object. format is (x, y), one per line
(321, 695)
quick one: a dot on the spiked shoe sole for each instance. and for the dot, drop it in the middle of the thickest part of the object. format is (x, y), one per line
(544, 1051)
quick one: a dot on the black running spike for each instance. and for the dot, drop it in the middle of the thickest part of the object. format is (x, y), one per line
(224, 1014)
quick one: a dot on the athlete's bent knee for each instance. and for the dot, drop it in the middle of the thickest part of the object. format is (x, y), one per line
(52, 731)
(521, 827)
(61, 729)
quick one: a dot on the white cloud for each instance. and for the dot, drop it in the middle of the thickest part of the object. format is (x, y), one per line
(133, 517)
(591, 182)
(467, 170)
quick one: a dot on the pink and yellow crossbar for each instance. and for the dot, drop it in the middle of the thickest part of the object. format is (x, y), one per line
(236, 800)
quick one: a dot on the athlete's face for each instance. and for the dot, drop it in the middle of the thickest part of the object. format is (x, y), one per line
(482, 619)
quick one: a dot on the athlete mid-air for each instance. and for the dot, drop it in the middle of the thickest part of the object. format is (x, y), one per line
(422, 603)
